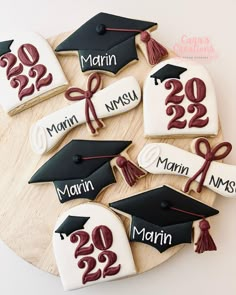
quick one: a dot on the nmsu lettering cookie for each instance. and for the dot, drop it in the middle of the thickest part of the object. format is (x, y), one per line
(91, 246)
(29, 71)
(117, 98)
(163, 158)
(179, 100)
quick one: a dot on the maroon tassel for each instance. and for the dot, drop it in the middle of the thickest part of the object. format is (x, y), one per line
(130, 172)
(155, 50)
(205, 241)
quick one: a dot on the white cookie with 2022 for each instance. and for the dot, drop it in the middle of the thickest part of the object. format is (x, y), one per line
(179, 100)
(29, 71)
(91, 246)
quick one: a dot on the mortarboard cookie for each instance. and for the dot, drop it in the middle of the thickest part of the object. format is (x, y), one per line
(179, 100)
(163, 217)
(29, 71)
(108, 42)
(163, 158)
(71, 224)
(83, 168)
(92, 105)
(96, 248)
(168, 72)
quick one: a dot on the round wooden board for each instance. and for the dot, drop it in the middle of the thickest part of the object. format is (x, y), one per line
(28, 213)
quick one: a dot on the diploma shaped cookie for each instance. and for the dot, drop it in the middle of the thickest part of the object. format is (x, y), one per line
(179, 100)
(91, 246)
(92, 105)
(108, 42)
(163, 158)
(84, 167)
(29, 71)
(163, 217)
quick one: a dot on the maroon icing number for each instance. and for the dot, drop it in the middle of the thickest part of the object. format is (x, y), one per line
(39, 71)
(177, 87)
(111, 258)
(200, 112)
(89, 276)
(200, 90)
(28, 56)
(21, 81)
(83, 240)
(195, 91)
(9, 60)
(102, 239)
(179, 113)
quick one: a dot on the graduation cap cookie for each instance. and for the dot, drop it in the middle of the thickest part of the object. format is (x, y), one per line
(163, 217)
(94, 247)
(29, 71)
(70, 225)
(83, 168)
(108, 42)
(200, 166)
(91, 105)
(179, 100)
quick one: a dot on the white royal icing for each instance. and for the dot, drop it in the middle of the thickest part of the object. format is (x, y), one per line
(48, 131)
(8, 95)
(154, 108)
(71, 275)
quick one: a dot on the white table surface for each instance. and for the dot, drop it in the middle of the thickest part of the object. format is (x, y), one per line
(187, 272)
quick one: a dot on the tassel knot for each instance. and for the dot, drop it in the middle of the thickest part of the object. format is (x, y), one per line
(130, 172)
(121, 161)
(145, 36)
(155, 51)
(204, 225)
(205, 241)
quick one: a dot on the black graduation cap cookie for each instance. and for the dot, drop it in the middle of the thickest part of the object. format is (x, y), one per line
(83, 168)
(163, 217)
(108, 42)
(70, 225)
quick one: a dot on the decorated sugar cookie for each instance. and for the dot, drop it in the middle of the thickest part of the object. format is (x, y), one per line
(92, 105)
(163, 158)
(91, 246)
(108, 43)
(83, 168)
(29, 71)
(179, 100)
(163, 217)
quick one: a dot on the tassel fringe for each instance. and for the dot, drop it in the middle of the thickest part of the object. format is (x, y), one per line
(130, 171)
(205, 241)
(155, 51)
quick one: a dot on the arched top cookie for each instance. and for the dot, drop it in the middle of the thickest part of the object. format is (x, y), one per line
(179, 100)
(91, 246)
(29, 71)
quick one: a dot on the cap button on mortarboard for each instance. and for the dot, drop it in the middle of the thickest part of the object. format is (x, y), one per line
(165, 205)
(101, 29)
(77, 159)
